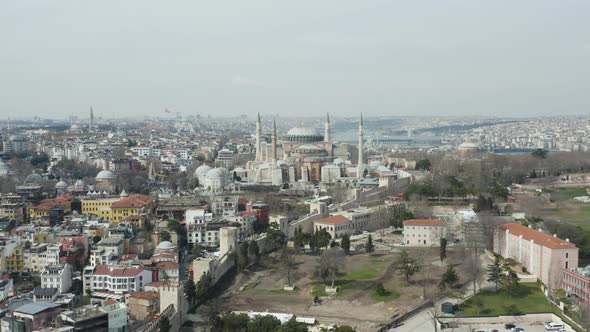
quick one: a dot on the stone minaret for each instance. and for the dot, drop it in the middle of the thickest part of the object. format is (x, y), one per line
(274, 141)
(258, 139)
(91, 125)
(327, 129)
(360, 166)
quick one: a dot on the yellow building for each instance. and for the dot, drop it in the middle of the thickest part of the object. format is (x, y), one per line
(43, 237)
(16, 261)
(118, 209)
(44, 207)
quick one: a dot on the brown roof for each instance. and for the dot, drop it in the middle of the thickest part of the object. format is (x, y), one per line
(424, 222)
(117, 271)
(334, 220)
(168, 266)
(145, 295)
(540, 238)
(109, 302)
(134, 200)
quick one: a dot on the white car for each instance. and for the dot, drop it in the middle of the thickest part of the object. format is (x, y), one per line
(553, 326)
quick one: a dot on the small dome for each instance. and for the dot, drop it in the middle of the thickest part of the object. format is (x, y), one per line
(338, 161)
(215, 173)
(61, 185)
(105, 175)
(375, 163)
(33, 178)
(165, 245)
(124, 193)
(202, 170)
(80, 183)
(239, 170)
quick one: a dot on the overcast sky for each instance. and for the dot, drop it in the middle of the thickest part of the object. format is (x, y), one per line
(304, 57)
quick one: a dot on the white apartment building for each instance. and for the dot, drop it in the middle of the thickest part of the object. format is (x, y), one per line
(112, 244)
(424, 232)
(336, 226)
(57, 276)
(119, 279)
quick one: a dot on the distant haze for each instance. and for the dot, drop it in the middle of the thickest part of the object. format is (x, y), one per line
(301, 57)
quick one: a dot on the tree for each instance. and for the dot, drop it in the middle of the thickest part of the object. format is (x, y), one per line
(407, 265)
(365, 173)
(509, 280)
(275, 235)
(165, 236)
(242, 256)
(495, 272)
(380, 290)
(343, 328)
(203, 286)
(253, 252)
(190, 291)
(234, 322)
(345, 243)
(263, 323)
(288, 261)
(322, 238)
(449, 278)
(423, 164)
(96, 239)
(293, 326)
(299, 238)
(197, 250)
(164, 324)
(329, 264)
(443, 249)
(369, 247)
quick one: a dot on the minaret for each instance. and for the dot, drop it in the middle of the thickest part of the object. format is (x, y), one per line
(274, 141)
(360, 166)
(91, 125)
(258, 139)
(327, 129)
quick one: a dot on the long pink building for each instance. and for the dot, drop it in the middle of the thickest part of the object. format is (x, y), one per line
(543, 255)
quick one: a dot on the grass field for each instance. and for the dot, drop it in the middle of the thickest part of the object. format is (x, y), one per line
(389, 296)
(527, 299)
(560, 195)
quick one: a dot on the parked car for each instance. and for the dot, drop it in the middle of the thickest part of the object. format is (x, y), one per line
(509, 326)
(518, 329)
(553, 326)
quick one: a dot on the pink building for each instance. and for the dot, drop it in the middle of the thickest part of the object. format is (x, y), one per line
(543, 255)
(576, 283)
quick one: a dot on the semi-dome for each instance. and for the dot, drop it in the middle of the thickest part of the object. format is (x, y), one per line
(202, 170)
(165, 245)
(215, 173)
(302, 134)
(105, 175)
(338, 161)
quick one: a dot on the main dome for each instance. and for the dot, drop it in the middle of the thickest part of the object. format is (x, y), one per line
(202, 170)
(105, 175)
(302, 134)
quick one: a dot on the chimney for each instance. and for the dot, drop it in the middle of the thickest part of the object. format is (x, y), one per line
(554, 235)
(530, 226)
(567, 239)
(540, 230)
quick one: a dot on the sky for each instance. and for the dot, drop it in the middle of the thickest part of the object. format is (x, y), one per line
(303, 57)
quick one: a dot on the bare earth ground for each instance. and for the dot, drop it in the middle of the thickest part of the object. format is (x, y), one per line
(261, 290)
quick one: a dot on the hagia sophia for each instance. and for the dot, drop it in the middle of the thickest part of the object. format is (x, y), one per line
(304, 155)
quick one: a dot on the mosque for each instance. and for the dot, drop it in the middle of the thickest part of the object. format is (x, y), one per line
(301, 156)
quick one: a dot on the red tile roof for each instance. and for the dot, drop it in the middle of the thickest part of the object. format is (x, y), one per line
(117, 271)
(109, 302)
(167, 266)
(540, 238)
(133, 200)
(334, 220)
(424, 222)
(49, 203)
(145, 295)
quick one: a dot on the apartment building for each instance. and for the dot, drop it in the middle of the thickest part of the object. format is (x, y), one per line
(119, 279)
(57, 276)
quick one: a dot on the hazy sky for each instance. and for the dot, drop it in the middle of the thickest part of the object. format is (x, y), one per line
(304, 57)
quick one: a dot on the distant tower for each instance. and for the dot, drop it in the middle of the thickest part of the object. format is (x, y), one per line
(258, 139)
(91, 125)
(360, 166)
(327, 129)
(274, 141)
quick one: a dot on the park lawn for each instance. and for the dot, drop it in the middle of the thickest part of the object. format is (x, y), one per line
(378, 266)
(527, 299)
(319, 289)
(389, 296)
(566, 194)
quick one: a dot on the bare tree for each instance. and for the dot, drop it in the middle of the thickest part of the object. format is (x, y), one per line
(288, 261)
(329, 264)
